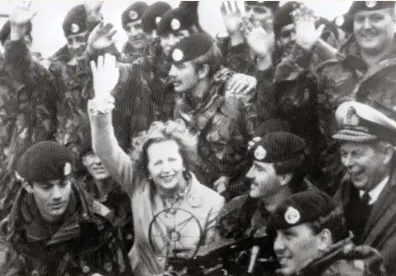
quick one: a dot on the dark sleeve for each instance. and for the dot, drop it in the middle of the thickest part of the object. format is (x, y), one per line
(10, 263)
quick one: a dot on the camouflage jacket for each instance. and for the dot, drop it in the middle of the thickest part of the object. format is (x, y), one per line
(27, 113)
(85, 243)
(244, 216)
(118, 201)
(223, 130)
(346, 259)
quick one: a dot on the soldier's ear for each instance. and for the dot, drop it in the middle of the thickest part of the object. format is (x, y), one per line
(285, 179)
(388, 152)
(203, 72)
(28, 188)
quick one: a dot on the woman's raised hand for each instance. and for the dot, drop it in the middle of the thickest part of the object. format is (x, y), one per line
(105, 77)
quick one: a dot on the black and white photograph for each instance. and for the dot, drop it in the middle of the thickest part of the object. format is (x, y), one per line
(197, 138)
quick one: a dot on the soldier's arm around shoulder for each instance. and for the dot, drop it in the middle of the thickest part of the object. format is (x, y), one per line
(11, 263)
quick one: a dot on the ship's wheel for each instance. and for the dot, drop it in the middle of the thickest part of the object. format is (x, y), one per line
(173, 232)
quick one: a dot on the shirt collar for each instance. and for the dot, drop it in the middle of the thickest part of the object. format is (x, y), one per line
(374, 193)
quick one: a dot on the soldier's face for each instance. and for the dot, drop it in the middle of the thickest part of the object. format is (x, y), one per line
(287, 38)
(374, 30)
(294, 247)
(95, 167)
(136, 36)
(365, 164)
(77, 44)
(169, 40)
(264, 180)
(184, 76)
(260, 14)
(165, 165)
(52, 198)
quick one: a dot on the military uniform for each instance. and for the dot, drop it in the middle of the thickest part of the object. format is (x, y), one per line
(82, 241)
(220, 121)
(341, 257)
(28, 112)
(374, 223)
(245, 216)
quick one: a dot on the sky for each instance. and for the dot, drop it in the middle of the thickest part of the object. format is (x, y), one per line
(47, 25)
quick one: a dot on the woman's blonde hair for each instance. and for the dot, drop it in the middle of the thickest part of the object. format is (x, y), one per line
(159, 132)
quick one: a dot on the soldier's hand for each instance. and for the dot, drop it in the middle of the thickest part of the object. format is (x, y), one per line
(22, 13)
(241, 84)
(306, 32)
(261, 41)
(105, 77)
(93, 9)
(252, 142)
(232, 14)
(101, 36)
(220, 185)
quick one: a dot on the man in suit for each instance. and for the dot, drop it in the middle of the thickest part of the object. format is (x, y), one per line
(368, 190)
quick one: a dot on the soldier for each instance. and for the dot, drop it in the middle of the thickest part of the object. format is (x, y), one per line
(28, 100)
(367, 191)
(205, 105)
(277, 171)
(311, 238)
(132, 24)
(235, 45)
(98, 182)
(55, 228)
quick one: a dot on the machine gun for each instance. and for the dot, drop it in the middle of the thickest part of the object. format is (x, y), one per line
(228, 257)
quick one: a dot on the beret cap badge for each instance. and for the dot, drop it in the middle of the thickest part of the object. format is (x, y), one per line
(260, 153)
(339, 21)
(175, 24)
(371, 4)
(67, 169)
(157, 20)
(292, 215)
(133, 15)
(74, 28)
(177, 55)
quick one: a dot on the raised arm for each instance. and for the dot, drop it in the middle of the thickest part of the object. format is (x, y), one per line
(105, 77)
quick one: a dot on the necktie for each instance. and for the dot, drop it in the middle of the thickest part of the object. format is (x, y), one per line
(365, 199)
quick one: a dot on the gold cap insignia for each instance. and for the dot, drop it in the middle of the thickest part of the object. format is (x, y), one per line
(157, 20)
(371, 4)
(177, 55)
(74, 28)
(175, 24)
(292, 215)
(351, 117)
(260, 153)
(339, 21)
(67, 169)
(133, 15)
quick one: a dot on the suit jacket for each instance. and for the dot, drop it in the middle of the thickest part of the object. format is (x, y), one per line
(380, 230)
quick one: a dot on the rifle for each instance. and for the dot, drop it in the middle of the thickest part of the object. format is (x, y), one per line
(227, 257)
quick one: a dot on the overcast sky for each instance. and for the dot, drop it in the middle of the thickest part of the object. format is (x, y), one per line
(47, 25)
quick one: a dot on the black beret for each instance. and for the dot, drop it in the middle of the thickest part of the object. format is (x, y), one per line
(133, 13)
(191, 47)
(362, 123)
(273, 5)
(369, 6)
(6, 30)
(283, 16)
(153, 15)
(272, 125)
(277, 147)
(174, 21)
(191, 7)
(45, 161)
(75, 21)
(299, 208)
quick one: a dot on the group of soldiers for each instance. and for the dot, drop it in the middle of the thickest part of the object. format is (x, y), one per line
(293, 114)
